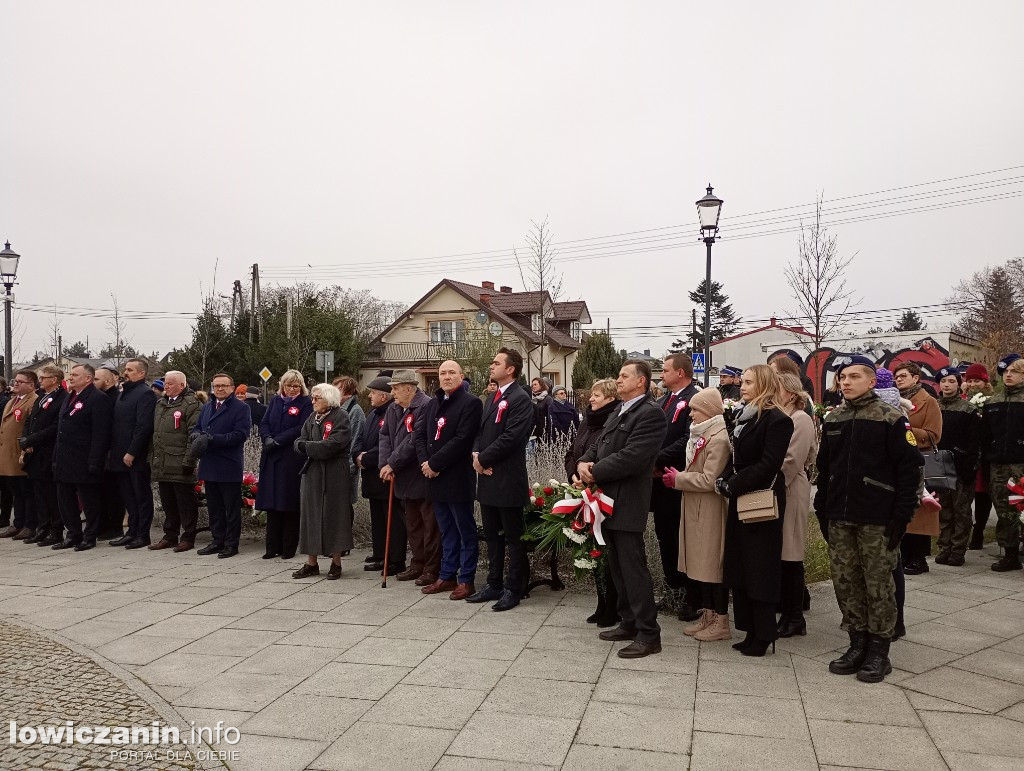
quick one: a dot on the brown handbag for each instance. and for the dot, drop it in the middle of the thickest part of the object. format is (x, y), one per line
(758, 505)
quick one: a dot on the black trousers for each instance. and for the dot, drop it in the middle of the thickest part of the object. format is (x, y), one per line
(224, 502)
(69, 494)
(754, 616)
(791, 593)
(627, 562)
(111, 507)
(44, 492)
(666, 528)
(713, 597)
(136, 489)
(915, 547)
(379, 530)
(181, 510)
(24, 508)
(282, 532)
(6, 502)
(503, 531)
(982, 508)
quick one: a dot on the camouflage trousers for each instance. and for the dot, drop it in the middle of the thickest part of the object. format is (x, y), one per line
(1007, 516)
(862, 568)
(956, 518)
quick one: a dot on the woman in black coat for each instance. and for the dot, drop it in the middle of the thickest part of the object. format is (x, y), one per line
(604, 400)
(278, 491)
(753, 551)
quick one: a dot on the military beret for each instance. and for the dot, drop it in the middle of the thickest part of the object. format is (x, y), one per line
(1006, 361)
(839, 363)
(791, 355)
(950, 372)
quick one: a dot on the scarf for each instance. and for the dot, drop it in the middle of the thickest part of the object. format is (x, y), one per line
(540, 397)
(890, 396)
(705, 429)
(597, 418)
(747, 414)
(909, 393)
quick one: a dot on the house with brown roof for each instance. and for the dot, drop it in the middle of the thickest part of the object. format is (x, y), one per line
(455, 319)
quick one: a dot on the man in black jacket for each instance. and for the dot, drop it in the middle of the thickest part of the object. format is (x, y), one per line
(503, 488)
(869, 473)
(129, 453)
(444, 448)
(112, 508)
(961, 433)
(677, 378)
(37, 444)
(83, 439)
(621, 464)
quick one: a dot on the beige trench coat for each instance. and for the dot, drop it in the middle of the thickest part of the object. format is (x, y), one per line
(11, 428)
(802, 451)
(702, 530)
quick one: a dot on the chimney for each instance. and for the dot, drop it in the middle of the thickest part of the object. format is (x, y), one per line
(487, 284)
(485, 298)
(772, 321)
(647, 351)
(506, 290)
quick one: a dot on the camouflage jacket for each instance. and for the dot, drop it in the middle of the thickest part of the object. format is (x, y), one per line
(961, 430)
(869, 467)
(1002, 427)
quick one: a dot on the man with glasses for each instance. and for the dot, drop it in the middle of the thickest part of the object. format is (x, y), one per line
(219, 443)
(37, 445)
(12, 426)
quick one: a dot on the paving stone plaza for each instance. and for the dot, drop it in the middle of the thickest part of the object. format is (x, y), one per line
(345, 675)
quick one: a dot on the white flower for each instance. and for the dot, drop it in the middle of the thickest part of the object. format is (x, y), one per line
(573, 536)
(536, 485)
(553, 483)
(979, 399)
(584, 564)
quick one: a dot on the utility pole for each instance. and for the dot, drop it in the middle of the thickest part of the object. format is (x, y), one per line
(259, 301)
(60, 348)
(693, 334)
(252, 301)
(608, 326)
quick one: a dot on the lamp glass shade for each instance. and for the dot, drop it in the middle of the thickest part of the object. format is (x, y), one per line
(9, 263)
(709, 208)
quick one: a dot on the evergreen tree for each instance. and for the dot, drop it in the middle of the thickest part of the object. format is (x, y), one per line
(910, 321)
(599, 357)
(78, 349)
(723, 318)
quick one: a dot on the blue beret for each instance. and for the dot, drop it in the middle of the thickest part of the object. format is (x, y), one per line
(158, 384)
(841, 362)
(1006, 361)
(950, 371)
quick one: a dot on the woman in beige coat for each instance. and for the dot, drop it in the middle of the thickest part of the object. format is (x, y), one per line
(702, 528)
(802, 450)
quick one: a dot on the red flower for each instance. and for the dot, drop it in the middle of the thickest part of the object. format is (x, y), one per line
(578, 526)
(249, 502)
(595, 553)
(248, 478)
(549, 491)
(199, 487)
(540, 501)
(254, 489)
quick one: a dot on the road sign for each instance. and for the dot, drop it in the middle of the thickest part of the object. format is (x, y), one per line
(265, 374)
(325, 361)
(698, 362)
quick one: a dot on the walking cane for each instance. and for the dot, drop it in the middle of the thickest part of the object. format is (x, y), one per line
(387, 537)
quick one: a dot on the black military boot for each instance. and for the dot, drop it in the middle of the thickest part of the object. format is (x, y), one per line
(851, 661)
(876, 665)
(1010, 560)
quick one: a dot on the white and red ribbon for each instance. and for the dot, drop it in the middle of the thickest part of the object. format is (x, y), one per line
(327, 429)
(381, 424)
(177, 419)
(17, 415)
(595, 508)
(77, 407)
(47, 403)
(408, 422)
(700, 444)
(440, 424)
(502, 406)
(1016, 489)
(293, 410)
(679, 408)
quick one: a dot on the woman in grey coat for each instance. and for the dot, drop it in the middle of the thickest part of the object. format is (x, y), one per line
(325, 500)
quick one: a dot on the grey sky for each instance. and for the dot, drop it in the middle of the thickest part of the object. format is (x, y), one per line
(141, 142)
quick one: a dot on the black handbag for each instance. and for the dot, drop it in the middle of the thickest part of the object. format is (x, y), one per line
(939, 468)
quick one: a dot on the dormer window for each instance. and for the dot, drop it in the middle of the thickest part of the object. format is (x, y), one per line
(536, 322)
(576, 331)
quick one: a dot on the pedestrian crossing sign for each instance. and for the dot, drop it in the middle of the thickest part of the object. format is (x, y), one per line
(698, 362)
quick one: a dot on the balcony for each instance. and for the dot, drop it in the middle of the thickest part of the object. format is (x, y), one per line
(414, 353)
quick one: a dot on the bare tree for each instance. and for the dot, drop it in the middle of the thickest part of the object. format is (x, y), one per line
(55, 335)
(538, 273)
(370, 314)
(818, 281)
(991, 306)
(119, 349)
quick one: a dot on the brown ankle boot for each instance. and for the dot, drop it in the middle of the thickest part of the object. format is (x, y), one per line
(718, 629)
(705, 620)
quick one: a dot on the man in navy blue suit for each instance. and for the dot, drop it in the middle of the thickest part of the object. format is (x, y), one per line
(219, 443)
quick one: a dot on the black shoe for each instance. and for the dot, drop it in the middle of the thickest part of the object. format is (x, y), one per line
(212, 548)
(270, 555)
(110, 534)
(637, 650)
(687, 612)
(1009, 561)
(371, 566)
(227, 551)
(334, 573)
(486, 594)
(124, 540)
(507, 601)
(137, 543)
(898, 631)
(876, 665)
(915, 567)
(85, 545)
(306, 571)
(394, 568)
(372, 558)
(50, 539)
(618, 633)
(36, 537)
(793, 625)
(956, 560)
(851, 661)
(608, 619)
(758, 648)
(288, 556)
(67, 543)
(942, 558)
(745, 643)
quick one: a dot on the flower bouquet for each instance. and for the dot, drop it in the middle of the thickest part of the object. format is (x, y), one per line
(250, 486)
(978, 400)
(560, 516)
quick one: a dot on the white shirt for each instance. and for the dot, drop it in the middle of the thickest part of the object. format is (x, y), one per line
(630, 403)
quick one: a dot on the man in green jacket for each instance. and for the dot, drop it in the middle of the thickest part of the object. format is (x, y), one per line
(175, 418)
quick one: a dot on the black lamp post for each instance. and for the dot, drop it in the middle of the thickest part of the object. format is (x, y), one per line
(8, 272)
(709, 208)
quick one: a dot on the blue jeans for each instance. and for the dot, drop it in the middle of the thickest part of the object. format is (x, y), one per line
(459, 544)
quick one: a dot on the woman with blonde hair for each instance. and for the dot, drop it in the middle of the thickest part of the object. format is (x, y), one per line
(802, 451)
(278, 491)
(753, 550)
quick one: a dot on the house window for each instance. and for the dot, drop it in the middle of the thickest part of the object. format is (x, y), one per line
(447, 331)
(576, 331)
(552, 377)
(535, 322)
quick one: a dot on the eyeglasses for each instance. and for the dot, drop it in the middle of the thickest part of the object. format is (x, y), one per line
(23, 382)
(316, 398)
(902, 376)
(218, 386)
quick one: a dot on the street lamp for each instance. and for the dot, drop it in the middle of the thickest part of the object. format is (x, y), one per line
(8, 272)
(708, 208)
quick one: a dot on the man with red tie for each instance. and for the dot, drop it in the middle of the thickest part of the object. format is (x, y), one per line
(15, 415)
(677, 378)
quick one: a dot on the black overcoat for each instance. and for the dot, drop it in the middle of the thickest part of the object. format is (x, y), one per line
(373, 485)
(449, 449)
(83, 437)
(41, 434)
(753, 552)
(279, 464)
(504, 433)
(132, 431)
(624, 458)
(590, 430)
(673, 449)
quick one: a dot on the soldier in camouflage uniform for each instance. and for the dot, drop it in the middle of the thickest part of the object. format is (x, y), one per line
(869, 470)
(961, 426)
(1002, 446)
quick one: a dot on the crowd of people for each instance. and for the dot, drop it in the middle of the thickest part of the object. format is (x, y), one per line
(726, 473)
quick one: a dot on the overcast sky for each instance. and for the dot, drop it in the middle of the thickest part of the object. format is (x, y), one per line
(141, 143)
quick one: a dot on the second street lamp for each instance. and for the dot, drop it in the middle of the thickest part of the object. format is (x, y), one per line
(8, 273)
(709, 208)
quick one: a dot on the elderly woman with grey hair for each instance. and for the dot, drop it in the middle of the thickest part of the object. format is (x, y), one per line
(325, 507)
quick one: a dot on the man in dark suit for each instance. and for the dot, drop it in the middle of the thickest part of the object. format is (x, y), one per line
(503, 488)
(112, 508)
(621, 464)
(219, 443)
(37, 444)
(665, 503)
(83, 439)
(129, 453)
(444, 448)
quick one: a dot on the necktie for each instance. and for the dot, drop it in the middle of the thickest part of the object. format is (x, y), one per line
(497, 396)
(669, 402)
(217, 406)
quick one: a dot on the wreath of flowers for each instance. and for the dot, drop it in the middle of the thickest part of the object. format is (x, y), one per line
(548, 530)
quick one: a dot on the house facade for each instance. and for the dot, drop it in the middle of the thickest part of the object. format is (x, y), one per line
(456, 320)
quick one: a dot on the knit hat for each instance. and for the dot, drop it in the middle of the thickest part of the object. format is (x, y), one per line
(380, 384)
(404, 376)
(883, 378)
(708, 401)
(1006, 361)
(241, 390)
(951, 372)
(976, 372)
(158, 384)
